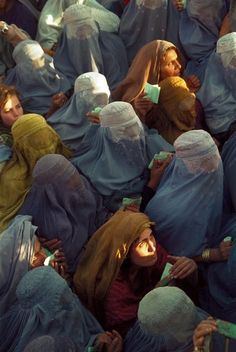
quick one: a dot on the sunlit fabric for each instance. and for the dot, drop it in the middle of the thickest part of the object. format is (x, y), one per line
(146, 20)
(35, 77)
(16, 253)
(70, 121)
(85, 47)
(216, 94)
(199, 30)
(46, 305)
(113, 154)
(187, 205)
(51, 22)
(64, 205)
(51, 19)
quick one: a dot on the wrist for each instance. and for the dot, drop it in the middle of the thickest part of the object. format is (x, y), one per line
(153, 184)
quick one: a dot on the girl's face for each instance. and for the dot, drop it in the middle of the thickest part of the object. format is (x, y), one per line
(11, 111)
(170, 65)
(143, 251)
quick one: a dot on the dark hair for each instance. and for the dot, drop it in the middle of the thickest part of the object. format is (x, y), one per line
(7, 92)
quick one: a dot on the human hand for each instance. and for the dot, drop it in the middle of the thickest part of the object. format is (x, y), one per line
(49, 52)
(225, 26)
(93, 117)
(157, 170)
(109, 342)
(205, 328)
(58, 100)
(14, 34)
(59, 263)
(142, 105)
(132, 207)
(52, 245)
(193, 83)
(179, 4)
(182, 266)
(225, 249)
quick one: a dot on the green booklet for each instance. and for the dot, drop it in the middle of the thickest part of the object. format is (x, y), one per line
(152, 92)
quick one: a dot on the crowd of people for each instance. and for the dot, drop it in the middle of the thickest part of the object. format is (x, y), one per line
(117, 175)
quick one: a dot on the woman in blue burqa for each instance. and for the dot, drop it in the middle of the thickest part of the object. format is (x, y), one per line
(217, 93)
(70, 121)
(146, 20)
(187, 204)
(199, 27)
(35, 77)
(86, 45)
(64, 205)
(113, 154)
(46, 305)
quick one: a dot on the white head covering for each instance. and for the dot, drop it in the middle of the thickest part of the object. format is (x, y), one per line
(27, 50)
(226, 47)
(122, 121)
(85, 9)
(168, 310)
(77, 12)
(198, 151)
(91, 83)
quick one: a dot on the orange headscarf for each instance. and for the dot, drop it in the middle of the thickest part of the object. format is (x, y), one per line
(167, 116)
(144, 68)
(104, 255)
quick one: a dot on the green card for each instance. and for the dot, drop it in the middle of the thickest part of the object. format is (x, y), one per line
(226, 328)
(152, 92)
(159, 156)
(97, 110)
(131, 201)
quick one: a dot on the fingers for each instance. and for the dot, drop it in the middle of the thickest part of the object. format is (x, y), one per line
(205, 328)
(50, 244)
(93, 117)
(172, 259)
(183, 267)
(134, 208)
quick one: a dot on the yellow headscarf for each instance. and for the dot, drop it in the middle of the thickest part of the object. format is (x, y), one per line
(32, 139)
(166, 116)
(104, 255)
(144, 68)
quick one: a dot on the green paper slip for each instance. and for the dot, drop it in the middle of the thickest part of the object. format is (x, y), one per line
(226, 328)
(228, 238)
(97, 110)
(131, 201)
(159, 156)
(166, 270)
(152, 92)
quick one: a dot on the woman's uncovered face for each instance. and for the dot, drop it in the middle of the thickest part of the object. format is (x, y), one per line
(143, 251)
